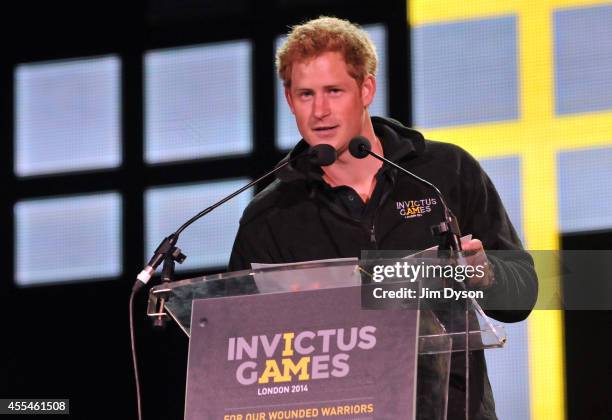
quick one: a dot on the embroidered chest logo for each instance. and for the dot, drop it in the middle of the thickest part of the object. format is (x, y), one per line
(415, 208)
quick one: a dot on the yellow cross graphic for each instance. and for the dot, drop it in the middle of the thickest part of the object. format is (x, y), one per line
(536, 137)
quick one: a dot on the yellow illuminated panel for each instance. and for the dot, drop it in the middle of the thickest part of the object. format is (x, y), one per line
(536, 136)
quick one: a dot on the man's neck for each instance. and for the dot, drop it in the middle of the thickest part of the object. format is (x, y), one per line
(359, 174)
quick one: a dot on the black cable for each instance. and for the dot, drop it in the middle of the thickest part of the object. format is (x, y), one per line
(135, 364)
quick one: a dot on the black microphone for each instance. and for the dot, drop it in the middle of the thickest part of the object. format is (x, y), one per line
(321, 155)
(360, 147)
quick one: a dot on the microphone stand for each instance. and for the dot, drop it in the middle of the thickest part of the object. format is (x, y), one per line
(168, 253)
(448, 237)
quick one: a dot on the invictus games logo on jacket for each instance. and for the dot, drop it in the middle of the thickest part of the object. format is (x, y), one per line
(415, 208)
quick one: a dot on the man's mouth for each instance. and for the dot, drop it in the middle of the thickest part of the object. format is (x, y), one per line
(325, 129)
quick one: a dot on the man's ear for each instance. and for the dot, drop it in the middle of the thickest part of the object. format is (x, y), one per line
(368, 90)
(288, 98)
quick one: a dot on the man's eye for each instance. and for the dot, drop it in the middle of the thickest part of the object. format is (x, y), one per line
(335, 91)
(305, 94)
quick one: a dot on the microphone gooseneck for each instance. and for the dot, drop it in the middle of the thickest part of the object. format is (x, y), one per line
(360, 147)
(321, 155)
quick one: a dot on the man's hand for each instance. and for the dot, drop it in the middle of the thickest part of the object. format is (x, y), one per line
(475, 256)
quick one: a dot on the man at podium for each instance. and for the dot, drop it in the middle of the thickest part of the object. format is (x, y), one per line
(328, 68)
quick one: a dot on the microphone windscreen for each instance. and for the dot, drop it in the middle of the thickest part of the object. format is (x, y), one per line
(322, 155)
(359, 147)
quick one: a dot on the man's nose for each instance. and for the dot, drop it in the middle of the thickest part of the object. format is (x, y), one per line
(321, 106)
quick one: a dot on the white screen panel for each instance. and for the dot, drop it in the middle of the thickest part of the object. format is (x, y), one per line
(198, 102)
(67, 116)
(67, 238)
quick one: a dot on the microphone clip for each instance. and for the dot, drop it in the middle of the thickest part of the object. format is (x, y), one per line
(448, 236)
(174, 254)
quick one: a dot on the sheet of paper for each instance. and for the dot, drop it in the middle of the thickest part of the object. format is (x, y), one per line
(429, 252)
(319, 276)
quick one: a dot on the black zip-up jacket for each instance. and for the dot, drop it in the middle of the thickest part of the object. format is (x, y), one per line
(298, 217)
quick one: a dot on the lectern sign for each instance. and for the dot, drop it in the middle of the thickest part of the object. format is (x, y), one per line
(312, 354)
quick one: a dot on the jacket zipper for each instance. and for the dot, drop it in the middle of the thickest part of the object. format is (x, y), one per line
(373, 236)
(373, 227)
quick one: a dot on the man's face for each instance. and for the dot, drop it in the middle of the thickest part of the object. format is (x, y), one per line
(328, 104)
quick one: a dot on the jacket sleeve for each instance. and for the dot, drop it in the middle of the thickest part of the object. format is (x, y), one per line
(239, 260)
(515, 287)
(255, 242)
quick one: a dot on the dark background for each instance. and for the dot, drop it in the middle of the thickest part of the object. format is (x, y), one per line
(72, 340)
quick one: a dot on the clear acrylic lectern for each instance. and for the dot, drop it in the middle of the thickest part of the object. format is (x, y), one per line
(311, 340)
